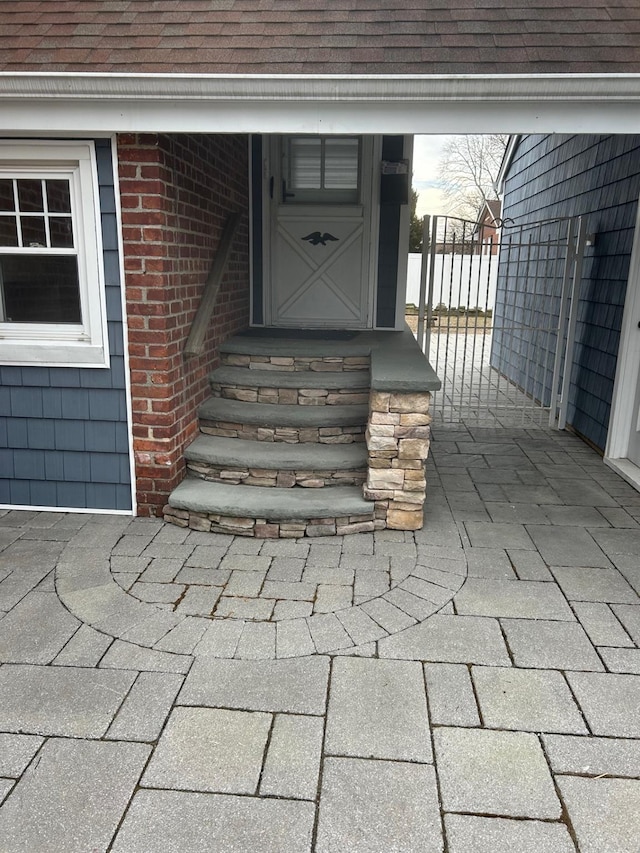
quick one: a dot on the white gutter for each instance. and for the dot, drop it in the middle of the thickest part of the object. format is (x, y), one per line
(287, 87)
(509, 153)
(64, 102)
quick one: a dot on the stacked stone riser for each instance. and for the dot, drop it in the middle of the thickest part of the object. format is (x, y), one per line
(262, 528)
(296, 363)
(290, 435)
(277, 479)
(290, 396)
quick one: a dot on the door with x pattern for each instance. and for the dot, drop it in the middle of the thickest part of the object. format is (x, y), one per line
(320, 233)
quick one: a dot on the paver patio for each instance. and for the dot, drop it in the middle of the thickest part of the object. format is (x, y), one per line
(473, 687)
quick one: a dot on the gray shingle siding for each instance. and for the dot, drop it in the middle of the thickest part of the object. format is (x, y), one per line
(64, 432)
(597, 177)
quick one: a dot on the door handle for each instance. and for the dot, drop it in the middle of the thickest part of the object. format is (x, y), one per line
(285, 194)
(271, 187)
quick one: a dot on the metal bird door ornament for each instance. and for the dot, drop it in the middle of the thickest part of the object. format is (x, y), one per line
(316, 238)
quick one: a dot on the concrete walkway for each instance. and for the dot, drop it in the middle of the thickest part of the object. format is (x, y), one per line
(471, 688)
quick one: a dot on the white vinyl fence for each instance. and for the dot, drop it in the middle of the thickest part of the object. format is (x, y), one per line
(459, 280)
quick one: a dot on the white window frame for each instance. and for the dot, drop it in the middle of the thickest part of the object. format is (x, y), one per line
(320, 195)
(51, 344)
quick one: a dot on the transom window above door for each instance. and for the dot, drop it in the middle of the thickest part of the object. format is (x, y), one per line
(321, 169)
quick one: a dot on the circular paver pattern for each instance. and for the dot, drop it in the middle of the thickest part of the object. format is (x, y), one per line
(178, 590)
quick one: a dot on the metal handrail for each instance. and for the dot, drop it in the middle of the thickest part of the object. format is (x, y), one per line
(195, 342)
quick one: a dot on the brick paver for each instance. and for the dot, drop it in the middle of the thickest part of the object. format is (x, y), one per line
(175, 690)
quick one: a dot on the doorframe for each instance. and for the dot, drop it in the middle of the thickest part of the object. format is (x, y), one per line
(403, 256)
(272, 166)
(627, 374)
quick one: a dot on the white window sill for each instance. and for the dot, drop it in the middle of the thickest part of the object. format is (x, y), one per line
(55, 354)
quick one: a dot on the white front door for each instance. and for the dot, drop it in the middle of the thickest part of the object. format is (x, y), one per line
(319, 272)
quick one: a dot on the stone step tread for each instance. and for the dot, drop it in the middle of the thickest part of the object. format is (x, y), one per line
(240, 453)
(354, 380)
(357, 347)
(273, 504)
(272, 415)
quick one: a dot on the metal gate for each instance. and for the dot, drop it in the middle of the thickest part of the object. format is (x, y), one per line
(497, 318)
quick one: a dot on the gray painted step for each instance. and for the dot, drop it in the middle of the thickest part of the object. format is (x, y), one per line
(237, 452)
(246, 377)
(273, 504)
(270, 415)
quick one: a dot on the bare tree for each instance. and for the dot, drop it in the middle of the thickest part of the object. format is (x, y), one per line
(468, 168)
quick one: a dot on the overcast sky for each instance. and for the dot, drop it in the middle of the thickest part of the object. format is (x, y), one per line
(426, 156)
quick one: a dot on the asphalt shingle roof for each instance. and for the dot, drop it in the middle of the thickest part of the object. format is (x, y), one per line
(307, 36)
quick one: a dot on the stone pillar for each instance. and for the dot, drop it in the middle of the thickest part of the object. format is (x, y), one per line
(397, 437)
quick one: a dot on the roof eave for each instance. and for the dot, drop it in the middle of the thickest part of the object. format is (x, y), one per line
(68, 103)
(287, 87)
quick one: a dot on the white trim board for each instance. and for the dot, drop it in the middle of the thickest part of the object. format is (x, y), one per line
(70, 509)
(626, 469)
(628, 365)
(125, 326)
(410, 104)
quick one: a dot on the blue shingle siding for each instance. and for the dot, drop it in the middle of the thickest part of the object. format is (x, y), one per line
(598, 178)
(64, 431)
(531, 266)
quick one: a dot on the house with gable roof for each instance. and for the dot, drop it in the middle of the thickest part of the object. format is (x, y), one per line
(203, 236)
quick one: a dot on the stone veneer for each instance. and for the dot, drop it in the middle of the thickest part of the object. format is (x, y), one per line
(262, 528)
(289, 435)
(290, 396)
(294, 363)
(398, 437)
(282, 479)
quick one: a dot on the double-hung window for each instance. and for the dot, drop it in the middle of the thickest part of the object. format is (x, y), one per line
(52, 309)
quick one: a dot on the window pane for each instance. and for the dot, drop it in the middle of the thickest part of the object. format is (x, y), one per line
(304, 164)
(30, 195)
(58, 197)
(40, 289)
(341, 164)
(61, 232)
(33, 232)
(7, 201)
(8, 231)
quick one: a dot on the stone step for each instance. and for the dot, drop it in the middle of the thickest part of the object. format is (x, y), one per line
(302, 388)
(303, 353)
(264, 512)
(266, 463)
(287, 423)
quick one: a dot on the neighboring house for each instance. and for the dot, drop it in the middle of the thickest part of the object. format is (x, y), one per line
(488, 225)
(132, 130)
(597, 178)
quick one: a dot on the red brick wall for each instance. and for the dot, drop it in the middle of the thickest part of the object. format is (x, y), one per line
(176, 192)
